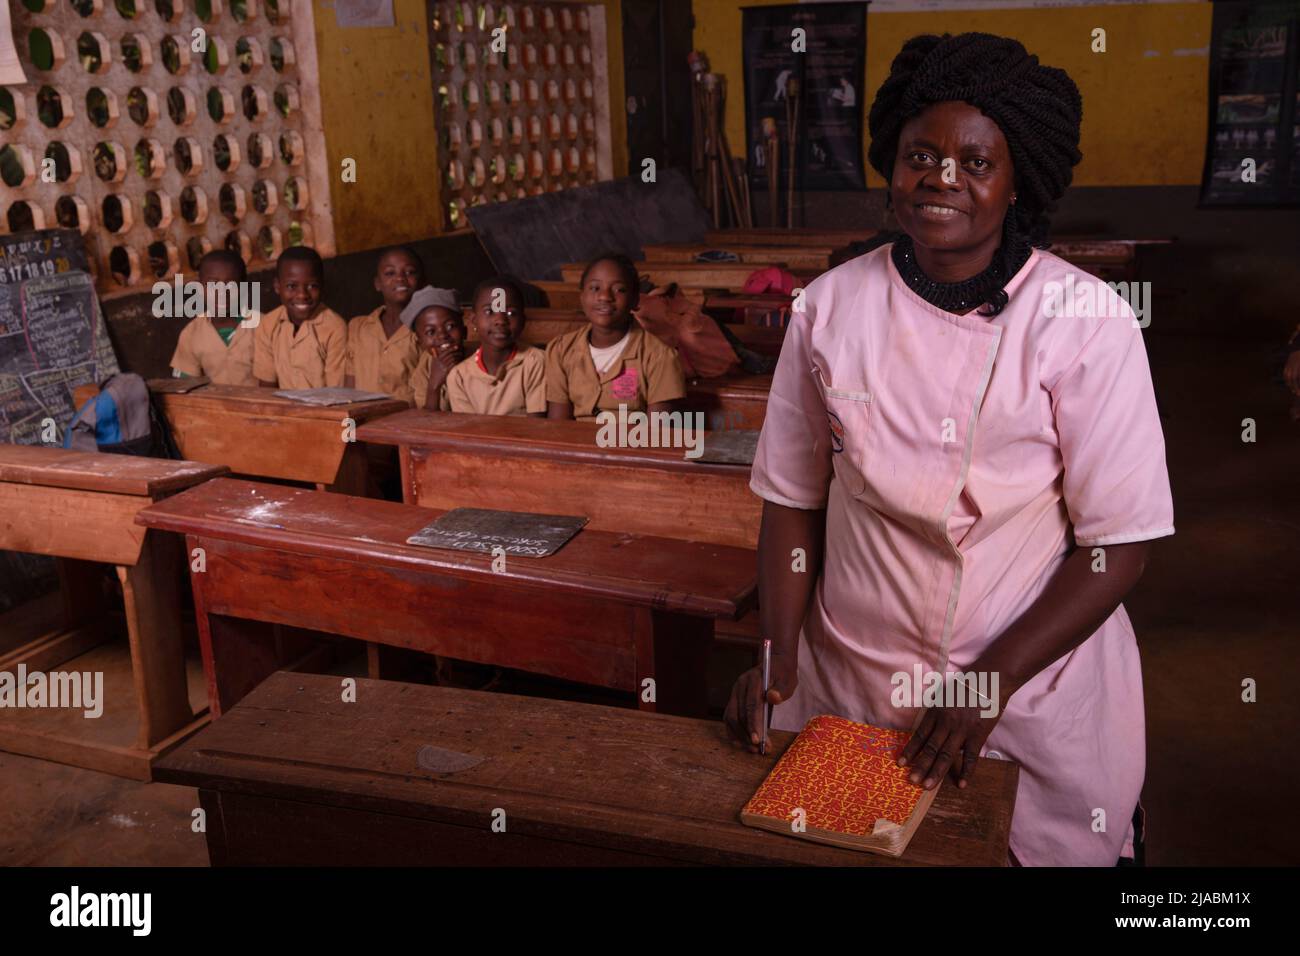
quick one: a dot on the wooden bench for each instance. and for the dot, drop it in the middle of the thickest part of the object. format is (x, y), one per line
(606, 609)
(81, 508)
(258, 434)
(564, 295)
(531, 464)
(411, 775)
(780, 236)
(811, 258)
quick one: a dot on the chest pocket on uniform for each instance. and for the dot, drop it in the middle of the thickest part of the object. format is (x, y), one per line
(848, 415)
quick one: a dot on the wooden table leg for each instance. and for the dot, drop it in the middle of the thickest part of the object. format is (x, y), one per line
(151, 591)
(673, 650)
(353, 475)
(397, 663)
(237, 656)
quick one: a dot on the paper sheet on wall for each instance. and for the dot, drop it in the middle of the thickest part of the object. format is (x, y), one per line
(11, 71)
(363, 13)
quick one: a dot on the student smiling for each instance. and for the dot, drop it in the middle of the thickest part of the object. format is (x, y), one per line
(303, 343)
(613, 361)
(956, 465)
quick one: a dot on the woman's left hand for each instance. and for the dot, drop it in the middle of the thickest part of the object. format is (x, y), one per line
(948, 739)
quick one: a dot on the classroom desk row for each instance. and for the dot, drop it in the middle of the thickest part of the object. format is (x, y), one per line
(808, 253)
(616, 608)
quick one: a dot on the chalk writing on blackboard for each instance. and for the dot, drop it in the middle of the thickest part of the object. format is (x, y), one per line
(52, 340)
(52, 335)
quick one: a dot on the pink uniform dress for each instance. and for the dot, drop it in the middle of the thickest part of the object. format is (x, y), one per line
(960, 458)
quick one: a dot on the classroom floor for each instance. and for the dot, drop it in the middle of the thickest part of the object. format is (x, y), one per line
(1218, 605)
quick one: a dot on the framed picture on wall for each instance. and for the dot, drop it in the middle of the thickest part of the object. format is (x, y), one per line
(826, 65)
(1252, 155)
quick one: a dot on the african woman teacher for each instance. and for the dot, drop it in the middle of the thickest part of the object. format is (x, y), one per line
(960, 474)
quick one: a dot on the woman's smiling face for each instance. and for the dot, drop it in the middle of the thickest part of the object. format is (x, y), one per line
(965, 214)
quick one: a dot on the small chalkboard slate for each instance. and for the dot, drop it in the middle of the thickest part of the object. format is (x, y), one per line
(331, 396)
(516, 533)
(731, 447)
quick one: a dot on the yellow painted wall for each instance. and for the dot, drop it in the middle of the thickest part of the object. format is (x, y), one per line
(1144, 100)
(377, 108)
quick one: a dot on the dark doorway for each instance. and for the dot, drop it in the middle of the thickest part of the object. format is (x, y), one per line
(656, 41)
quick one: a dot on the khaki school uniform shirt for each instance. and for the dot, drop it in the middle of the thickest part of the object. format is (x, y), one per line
(518, 388)
(378, 362)
(647, 372)
(314, 355)
(420, 383)
(201, 351)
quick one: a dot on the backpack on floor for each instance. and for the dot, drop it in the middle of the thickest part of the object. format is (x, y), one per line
(120, 420)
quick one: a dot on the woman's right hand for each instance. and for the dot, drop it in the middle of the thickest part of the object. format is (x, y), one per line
(744, 713)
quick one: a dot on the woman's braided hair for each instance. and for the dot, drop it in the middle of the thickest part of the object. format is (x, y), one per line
(1038, 109)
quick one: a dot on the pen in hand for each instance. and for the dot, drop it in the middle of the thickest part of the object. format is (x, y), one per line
(767, 684)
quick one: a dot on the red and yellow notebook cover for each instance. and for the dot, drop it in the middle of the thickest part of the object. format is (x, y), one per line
(845, 778)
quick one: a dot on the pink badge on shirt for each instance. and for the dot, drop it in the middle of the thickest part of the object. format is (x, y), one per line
(624, 387)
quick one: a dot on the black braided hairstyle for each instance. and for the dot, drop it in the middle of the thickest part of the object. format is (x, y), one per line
(1038, 109)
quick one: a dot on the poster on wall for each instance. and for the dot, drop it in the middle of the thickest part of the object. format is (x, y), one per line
(830, 70)
(1253, 147)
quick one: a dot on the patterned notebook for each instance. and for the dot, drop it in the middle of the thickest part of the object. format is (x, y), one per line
(845, 778)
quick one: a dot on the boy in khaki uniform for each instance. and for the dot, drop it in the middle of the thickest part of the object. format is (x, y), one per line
(502, 377)
(301, 344)
(613, 361)
(219, 347)
(382, 349)
(435, 318)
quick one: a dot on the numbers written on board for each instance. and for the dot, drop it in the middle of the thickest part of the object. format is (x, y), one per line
(31, 270)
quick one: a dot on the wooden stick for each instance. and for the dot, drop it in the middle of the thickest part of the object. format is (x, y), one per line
(772, 145)
(792, 94)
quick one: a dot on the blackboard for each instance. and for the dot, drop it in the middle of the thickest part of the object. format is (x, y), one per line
(52, 340)
(531, 238)
(515, 533)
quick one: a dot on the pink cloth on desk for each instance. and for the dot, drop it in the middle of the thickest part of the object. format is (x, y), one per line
(934, 546)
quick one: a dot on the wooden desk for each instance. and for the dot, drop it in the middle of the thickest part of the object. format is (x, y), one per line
(80, 508)
(531, 464)
(1111, 260)
(606, 609)
(694, 275)
(255, 433)
(292, 776)
(732, 401)
(564, 295)
(780, 236)
(793, 255)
